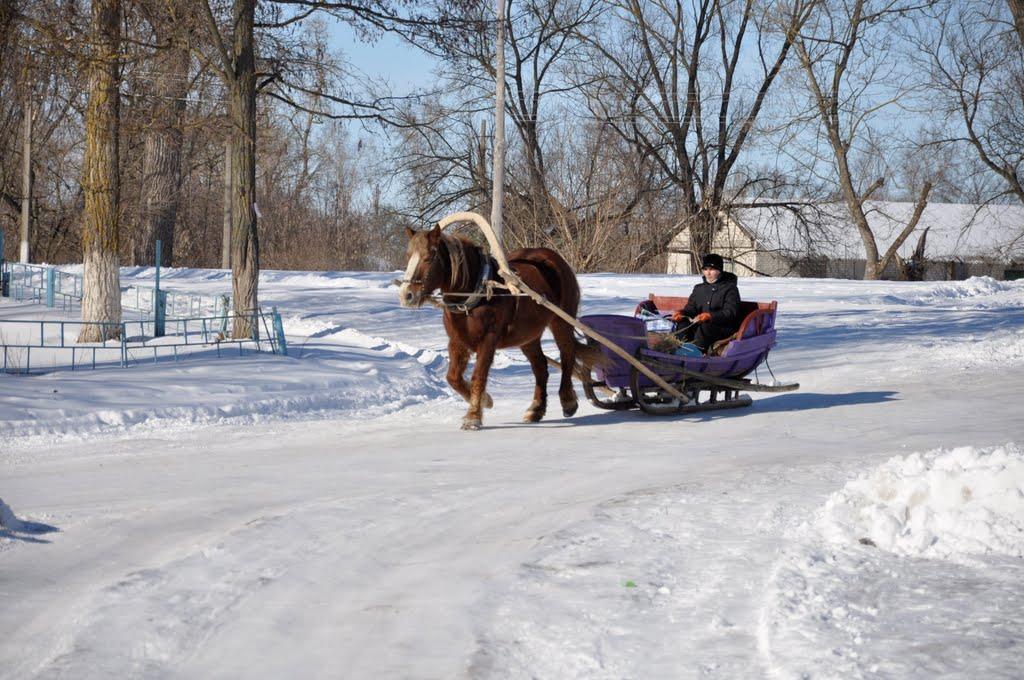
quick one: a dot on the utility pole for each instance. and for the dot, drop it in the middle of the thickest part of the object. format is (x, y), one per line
(225, 244)
(26, 182)
(498, 185)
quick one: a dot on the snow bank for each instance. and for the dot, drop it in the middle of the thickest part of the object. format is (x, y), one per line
(911, 570)
(7, 518)
(357, 280)
(972, 293)
(973, 287)
(937, 504)
(13, 529)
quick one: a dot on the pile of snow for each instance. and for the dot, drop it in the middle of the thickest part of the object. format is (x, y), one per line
(911, 570)
(937, 504)
(308, 327)
(973, 287)
(974, 292)
(8, 519)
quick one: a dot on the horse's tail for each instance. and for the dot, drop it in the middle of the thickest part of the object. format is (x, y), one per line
(588, 357)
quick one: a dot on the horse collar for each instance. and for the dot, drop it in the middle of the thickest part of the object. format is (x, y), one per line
(479, 294)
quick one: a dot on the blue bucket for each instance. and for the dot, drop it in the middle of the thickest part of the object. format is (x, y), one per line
(688, 349)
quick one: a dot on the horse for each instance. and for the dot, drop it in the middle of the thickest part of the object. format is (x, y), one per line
(480, 321)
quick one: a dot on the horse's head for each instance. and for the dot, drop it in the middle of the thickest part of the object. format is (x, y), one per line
(424, 271)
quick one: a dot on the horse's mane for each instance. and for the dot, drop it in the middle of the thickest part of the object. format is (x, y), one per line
(458, 262)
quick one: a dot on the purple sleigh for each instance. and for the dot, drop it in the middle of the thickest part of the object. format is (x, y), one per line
(619, 385)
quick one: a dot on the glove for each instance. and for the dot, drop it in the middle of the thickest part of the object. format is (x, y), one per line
(678, 316)
(703, 317)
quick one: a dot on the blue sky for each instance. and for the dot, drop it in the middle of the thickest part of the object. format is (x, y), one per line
(388, 58)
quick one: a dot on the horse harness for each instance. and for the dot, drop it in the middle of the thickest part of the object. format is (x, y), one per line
(485, 285)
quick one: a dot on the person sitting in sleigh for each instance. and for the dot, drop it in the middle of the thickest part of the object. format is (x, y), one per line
(713, 309)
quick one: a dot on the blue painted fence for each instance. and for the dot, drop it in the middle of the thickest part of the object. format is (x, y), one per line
(54, 342)
(47, 285)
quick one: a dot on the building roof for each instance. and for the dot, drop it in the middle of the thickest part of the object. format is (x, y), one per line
(956, 231)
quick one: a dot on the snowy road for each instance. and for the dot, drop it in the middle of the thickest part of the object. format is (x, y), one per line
(610, 545)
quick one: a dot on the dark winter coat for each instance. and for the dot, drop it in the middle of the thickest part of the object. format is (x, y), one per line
(721, 298)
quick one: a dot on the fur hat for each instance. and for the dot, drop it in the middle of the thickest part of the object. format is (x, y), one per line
(712, 260)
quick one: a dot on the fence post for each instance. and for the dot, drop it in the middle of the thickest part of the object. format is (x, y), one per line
(282, 344)
(5, 278)
(159, 313)
(51, 285)
(225, 306)
(159, 298)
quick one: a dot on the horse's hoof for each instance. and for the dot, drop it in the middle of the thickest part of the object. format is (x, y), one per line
(569, 410)
(487, 401)
(533, 416)
(471, 423)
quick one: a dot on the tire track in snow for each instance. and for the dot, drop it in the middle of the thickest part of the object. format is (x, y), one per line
(662, 582)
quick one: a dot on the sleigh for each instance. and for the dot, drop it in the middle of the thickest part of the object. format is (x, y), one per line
(698, 383)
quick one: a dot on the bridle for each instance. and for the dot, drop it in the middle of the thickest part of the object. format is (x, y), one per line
(483, 290)
(409, 279)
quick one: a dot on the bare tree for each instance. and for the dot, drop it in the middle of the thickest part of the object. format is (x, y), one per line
(846, 59)
(101, 291)
(236, 53)
(977, 78)
(167, 69)
(676, 80)
(39, 43)
(1017, 10)
(552, 145)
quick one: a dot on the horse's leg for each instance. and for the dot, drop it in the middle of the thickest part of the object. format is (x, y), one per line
(539, 364)
(473, 419)
(458, 359)
(567, 351)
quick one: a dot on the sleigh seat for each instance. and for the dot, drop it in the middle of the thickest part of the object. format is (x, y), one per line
(758, 319)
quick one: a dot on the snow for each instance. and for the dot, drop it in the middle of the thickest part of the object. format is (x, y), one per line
(939, 504)
(977, 292)
(321, 514)
(912, 569)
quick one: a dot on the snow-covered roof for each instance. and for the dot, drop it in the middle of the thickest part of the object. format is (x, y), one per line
(956, 231)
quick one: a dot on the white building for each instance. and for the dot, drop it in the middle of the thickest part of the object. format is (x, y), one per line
(962, 241)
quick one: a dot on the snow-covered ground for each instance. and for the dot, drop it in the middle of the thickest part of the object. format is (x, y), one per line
(321, 514)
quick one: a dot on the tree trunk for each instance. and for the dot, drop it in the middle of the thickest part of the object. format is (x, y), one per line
(8, 18)
(26, 182)
(702, 227)
(1017, 8)
(245, 263)
(161, 155)
(101, 291)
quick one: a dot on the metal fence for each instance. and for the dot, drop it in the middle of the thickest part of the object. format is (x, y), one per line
(48, 285)
(53, 343)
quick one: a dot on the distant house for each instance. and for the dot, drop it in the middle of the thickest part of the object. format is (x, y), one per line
(962, 241)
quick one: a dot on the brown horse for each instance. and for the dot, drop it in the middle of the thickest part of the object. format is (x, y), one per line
(482, 323)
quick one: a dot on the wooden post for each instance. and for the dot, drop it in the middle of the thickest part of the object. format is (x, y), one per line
(498, 182)
(26, 182)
